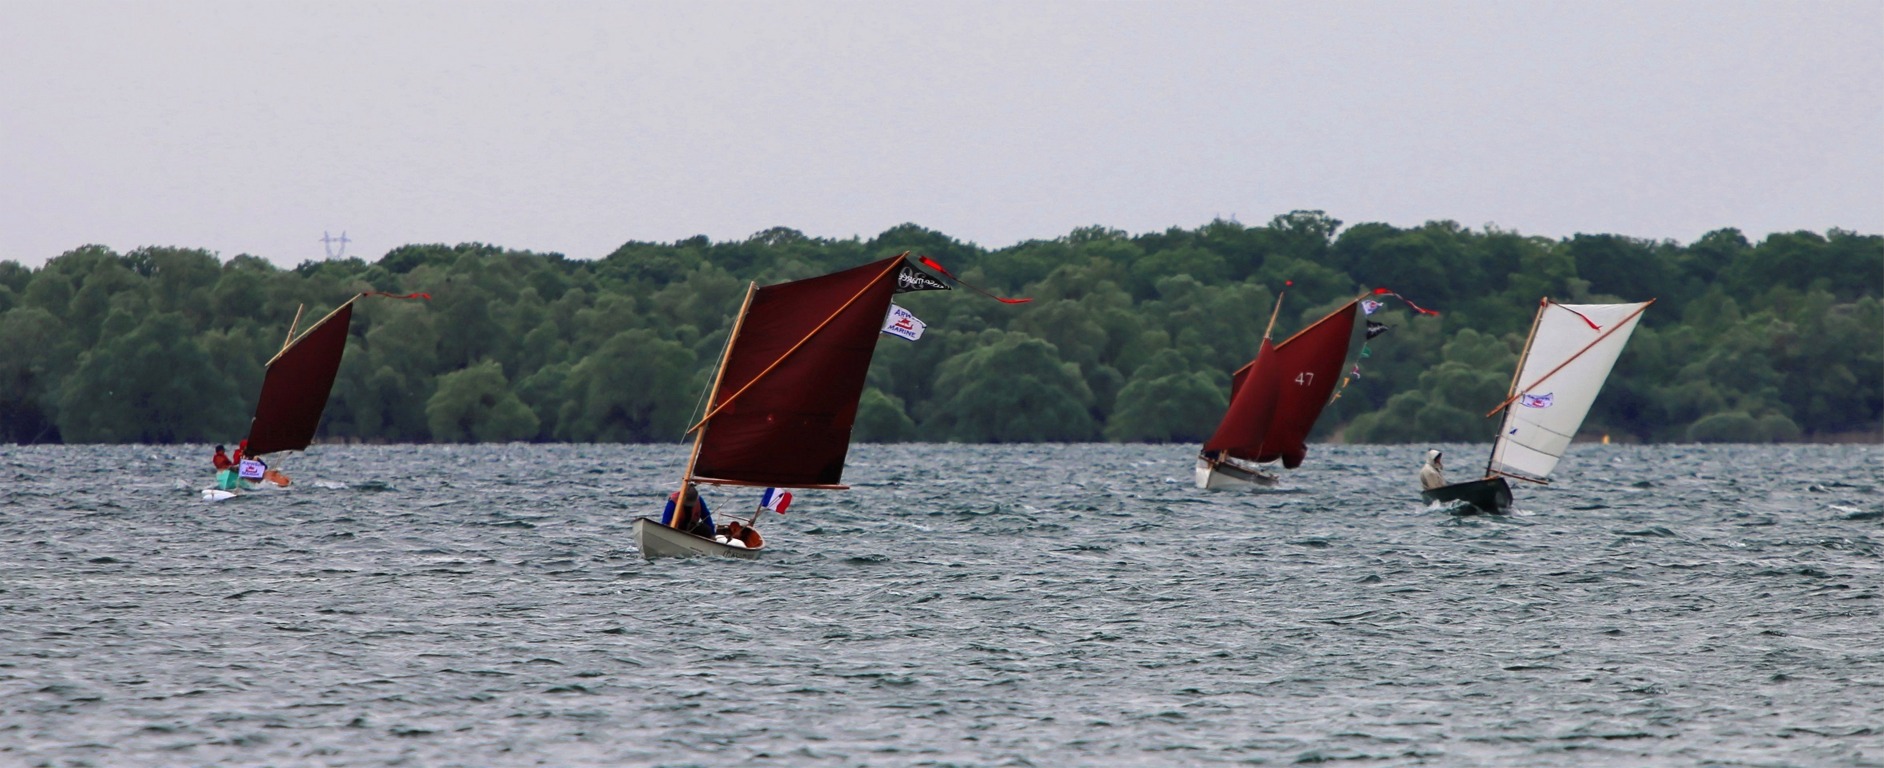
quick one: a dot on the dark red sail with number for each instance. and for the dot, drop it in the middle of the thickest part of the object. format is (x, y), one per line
(1276, 398)
(1308, 367)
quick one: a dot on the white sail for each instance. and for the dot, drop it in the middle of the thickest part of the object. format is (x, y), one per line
(1572, 349)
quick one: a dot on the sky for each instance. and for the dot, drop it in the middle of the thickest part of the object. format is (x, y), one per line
(575, 127)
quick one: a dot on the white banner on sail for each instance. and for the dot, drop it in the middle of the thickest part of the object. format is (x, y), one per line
(903, 325)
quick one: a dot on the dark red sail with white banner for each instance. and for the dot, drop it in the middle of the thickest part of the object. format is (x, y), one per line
(295, 389)
(787, 393)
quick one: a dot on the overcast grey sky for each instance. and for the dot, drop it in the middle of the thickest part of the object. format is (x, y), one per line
(252, 127)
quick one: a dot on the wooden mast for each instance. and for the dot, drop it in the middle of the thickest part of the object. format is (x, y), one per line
(699, 430)
(291, 326)
(310, 329)
(1516, 370)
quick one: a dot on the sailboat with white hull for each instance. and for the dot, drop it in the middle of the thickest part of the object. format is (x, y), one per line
(780, 408)
(294, 394)
(1566, 359)
(1274, 402)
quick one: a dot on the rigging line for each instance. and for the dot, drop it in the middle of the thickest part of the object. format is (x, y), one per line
(693, 456)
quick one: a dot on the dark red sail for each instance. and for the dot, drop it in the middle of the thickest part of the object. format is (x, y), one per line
(1253, 392)
(788, 390)
(1308, 365)
(295, 389)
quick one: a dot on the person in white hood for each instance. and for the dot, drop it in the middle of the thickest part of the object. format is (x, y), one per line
(1432, 473)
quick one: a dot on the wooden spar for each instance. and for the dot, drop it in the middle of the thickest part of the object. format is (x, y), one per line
(1277, 310)
(1324, 318)
(293, 325)
(788, 353)
(1614, 327)
(699, 430)
(310, 329)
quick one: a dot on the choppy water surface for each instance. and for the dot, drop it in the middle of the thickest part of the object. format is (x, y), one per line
(962, 605)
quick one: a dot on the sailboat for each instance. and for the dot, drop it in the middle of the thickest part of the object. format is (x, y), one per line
(780, 407)
(1567, 357)
(1274, 402)
(294, 394)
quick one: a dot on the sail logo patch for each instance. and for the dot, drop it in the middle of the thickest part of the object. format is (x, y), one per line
(1536, 401)
(912, 279)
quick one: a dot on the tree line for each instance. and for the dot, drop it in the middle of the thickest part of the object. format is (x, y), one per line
(1129, 337)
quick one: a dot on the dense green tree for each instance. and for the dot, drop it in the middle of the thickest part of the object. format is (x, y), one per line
(1012, 388)
(880, 419)
(1165, 401)
(1776, 339)
(151, 385)
(35, 355)
(636, 388)
(476, 405)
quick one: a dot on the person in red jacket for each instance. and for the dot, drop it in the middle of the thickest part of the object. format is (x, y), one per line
(221, 460)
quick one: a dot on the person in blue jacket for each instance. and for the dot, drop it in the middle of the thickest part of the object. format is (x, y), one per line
(692, 515)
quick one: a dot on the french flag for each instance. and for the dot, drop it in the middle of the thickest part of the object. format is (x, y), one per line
(775, 500)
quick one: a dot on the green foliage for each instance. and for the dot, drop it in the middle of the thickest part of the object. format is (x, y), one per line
(152, 385)
(476, 405)
(1012, 388)
(1165, 401)
(880, 419)
(1130, 337)
(636, 388)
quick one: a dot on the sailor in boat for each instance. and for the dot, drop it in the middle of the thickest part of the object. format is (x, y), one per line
(1432, 473)
(690, 515)
(738, 535)
(226, 479)
(235, 471)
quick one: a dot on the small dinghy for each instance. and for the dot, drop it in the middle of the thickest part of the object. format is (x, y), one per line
(656, 540)
(1565, 361)
(780, 407)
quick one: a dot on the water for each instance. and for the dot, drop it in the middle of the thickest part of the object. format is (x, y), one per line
(962, 605)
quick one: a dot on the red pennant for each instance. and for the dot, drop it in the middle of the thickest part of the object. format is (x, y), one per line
(425, 296)
(1586, 318)
(931, 263)
(1409, 302)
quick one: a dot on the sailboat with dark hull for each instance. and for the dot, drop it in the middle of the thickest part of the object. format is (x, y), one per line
(1567, 357)
(781, 406)
(295, 390)
(1275, 400)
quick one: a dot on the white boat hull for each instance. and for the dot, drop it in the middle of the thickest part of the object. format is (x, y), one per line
(656, 540)
(243, 488)
(1231, 475)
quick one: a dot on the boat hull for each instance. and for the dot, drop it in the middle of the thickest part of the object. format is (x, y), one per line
(656, 540)
(1230, 475)
(1491, 496)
